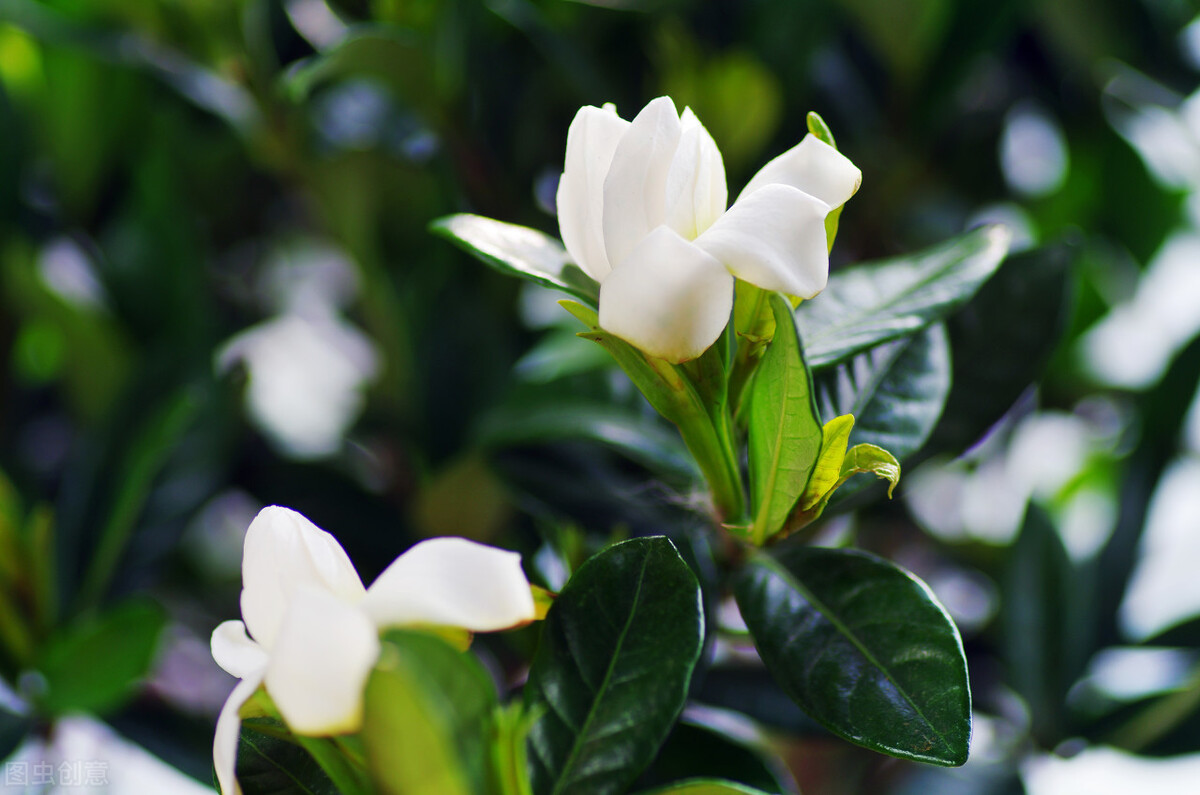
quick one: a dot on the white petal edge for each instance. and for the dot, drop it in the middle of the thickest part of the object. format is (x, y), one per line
(452, 582)
(319, 666)
(669, 298)
(775, 239)
(814, 167)
(696, 191)
(229, 728)
(635, 190)
(591, 141)
(285, 551)
(235, 651)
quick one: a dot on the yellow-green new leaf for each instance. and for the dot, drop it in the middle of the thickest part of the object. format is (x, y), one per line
(828, 471)
(868, 458)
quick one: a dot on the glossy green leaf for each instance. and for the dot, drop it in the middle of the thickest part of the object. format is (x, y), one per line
(714, 744)
(611, 673)
(896, 391)
(96, 664)
(518, 251)
(428, 718)
(996, 359)
(784, 433)
(705, 786)
(863, 647)
(651, 443)
(872, 303)
(270, 762)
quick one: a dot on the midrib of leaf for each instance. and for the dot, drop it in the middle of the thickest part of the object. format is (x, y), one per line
(846, 632)
(581, 735)
(274, 764)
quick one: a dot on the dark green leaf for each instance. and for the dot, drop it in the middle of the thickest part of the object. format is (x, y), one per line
(96, 663)
(702, 746)
(705, 786)
(895, 391)
(996, 359)
(784, 433)
(518, 251)
(641, 438)
(428, 718)
(270, 763)
(612, 671)
(13, 731)
(863, 647)
(875, 302)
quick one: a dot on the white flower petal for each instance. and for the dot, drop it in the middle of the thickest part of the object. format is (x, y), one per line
(773, 238)
(635, 190)
(591, 140)
(814, 167)
(283, 552)
(235, 652)
(696, 193)
(229, 727)
(452, 582)
(319, 666)
(668, 298)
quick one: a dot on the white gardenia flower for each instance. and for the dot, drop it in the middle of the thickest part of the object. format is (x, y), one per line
(642, 209)
(314, 629)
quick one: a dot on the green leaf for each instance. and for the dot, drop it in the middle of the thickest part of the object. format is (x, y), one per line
(428, 718)
(872, 303)
(827, 473)
(96, 664)
(640, 438)
(867, 459)
(518, 251)
(13, 731)
(863, 647)
(996, 359)
(895, 391)
(714, 744)
(611, 673)
(270, 762)
(705, 786)
(784, 432)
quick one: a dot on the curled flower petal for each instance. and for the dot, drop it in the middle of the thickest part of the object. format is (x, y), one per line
(814, 167)
(229, 728)
(285, 551)
(319, 666)
(591, 140)
(669, 298)
(635, 190)
(775, 239)
(452, 582)
(235, 651)
(696, 193)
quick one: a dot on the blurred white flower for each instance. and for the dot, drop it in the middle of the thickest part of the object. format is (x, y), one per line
(306, 374)
(642, 209)
(316, 628)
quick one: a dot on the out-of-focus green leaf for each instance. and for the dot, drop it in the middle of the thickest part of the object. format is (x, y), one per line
(643, 439)
(428, 717)
(269, 762)
(872, 303)
(518, 251)
(862, 646)
(784, 434)
(559, 354)
(612, 671)
(895, 391)
(705, 786)
(1002, 340)
(95, 664)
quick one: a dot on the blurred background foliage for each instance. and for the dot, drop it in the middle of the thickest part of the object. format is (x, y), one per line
(218, 291)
